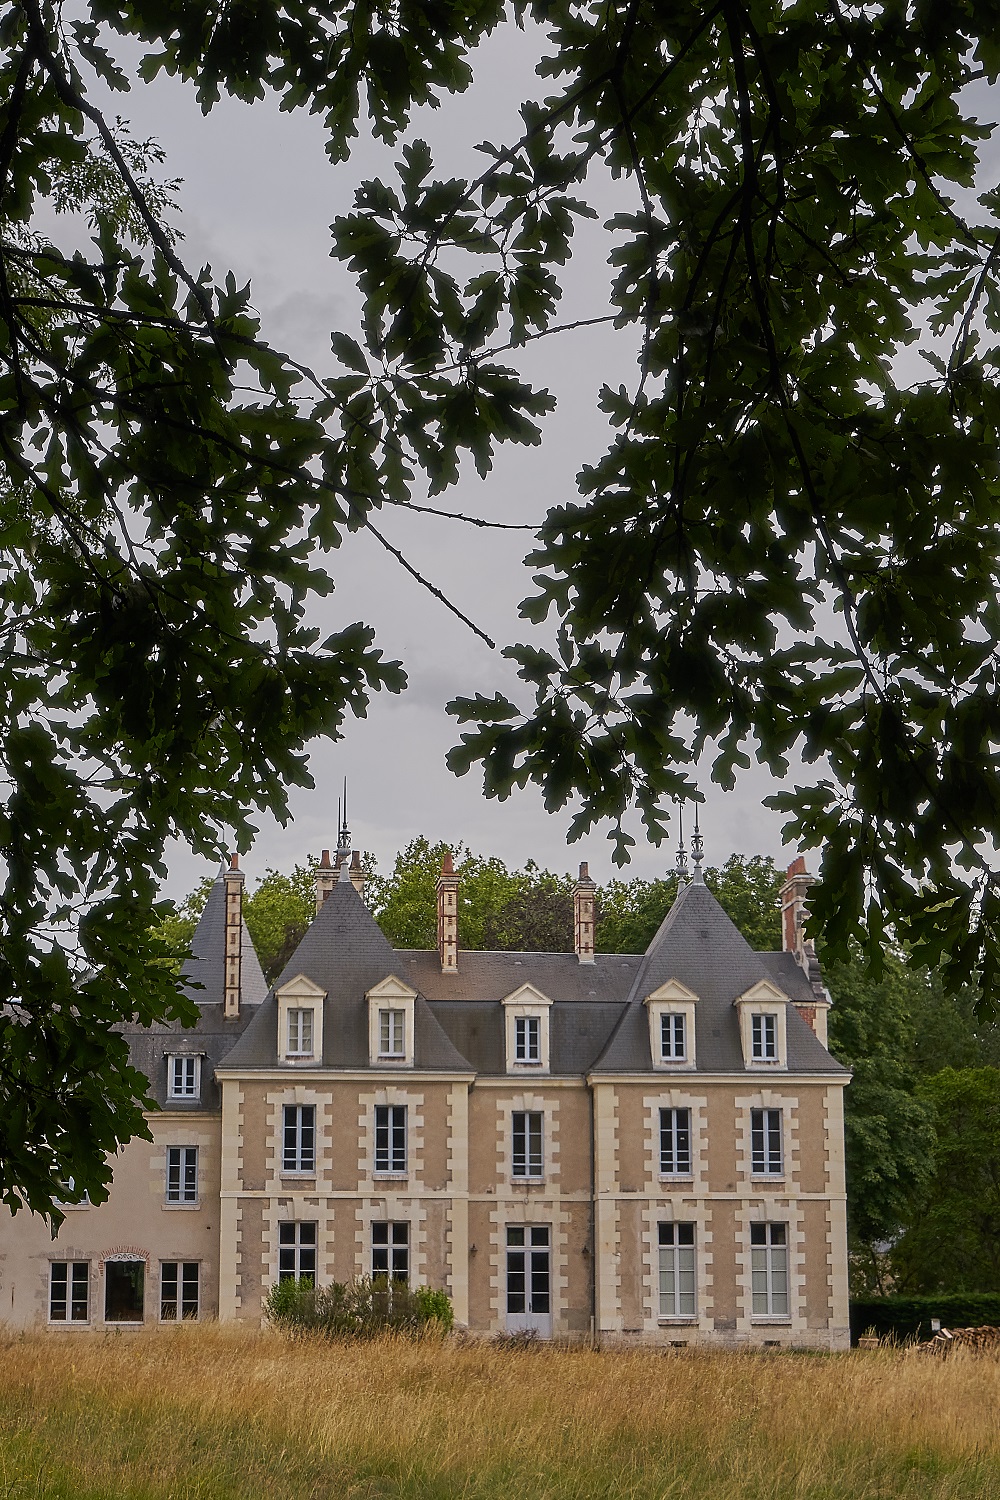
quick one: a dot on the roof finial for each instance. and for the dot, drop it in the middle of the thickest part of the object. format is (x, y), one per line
(343, 833)
(697, 849)
(682, 858)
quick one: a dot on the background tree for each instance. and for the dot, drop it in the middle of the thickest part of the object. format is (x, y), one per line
(800, 212)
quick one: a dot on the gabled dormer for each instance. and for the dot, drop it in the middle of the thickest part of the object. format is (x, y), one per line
(300, 1021)
(762, 1010)
(390, 1023)
(526, 1030)
(672, 1036)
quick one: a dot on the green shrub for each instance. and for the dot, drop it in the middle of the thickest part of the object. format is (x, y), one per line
(359, 1309)
(910, 1317)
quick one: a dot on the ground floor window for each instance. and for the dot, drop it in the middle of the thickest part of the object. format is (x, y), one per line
(677, 1283)
(297, 1252)
(69, 1291)
(391, 1251)
(124, 1291)
(178, 1290)
(769, 1270)
(528, 1269)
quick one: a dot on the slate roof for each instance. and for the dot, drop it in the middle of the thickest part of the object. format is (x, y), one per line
(207, 964)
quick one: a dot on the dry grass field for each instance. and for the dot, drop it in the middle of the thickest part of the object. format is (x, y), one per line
(208, 1411)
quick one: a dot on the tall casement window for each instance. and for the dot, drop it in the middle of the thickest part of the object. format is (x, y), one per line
(391, 1251)
(392, 1033)
(183, 1077)
(297, 1252)
(178, 1290)
(769, 1270)
(529, 1279)
(527, 1039)
(526, 1155)
(765, 1143)
(390, 1138)
(677, 1286)
(675, 1142)
(764, 1037)
(300, 1032)
(69, 1291)
(182, 1174)
(673, 1037)
(298, 1138)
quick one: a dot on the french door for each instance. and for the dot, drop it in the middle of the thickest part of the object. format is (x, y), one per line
(529, 1279)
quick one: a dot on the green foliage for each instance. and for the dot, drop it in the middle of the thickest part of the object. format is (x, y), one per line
(910, 1317)
(360, 1309)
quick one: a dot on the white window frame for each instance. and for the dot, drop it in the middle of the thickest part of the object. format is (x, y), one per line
(530, 1159)
(672, 1002)
(675, 1123)
(677, 1272)
(390, 996)
(763, 999)
(764, 1036)
(181, 1281)
(767, 1125)
(183, 1191)
(297, 995)
(528, 1040)
(72, 1279)
(391, 1153)
(298, 1140)
(770, 1283)
(299, 1041)
(390, 1242)
(527, 1004)
(391, 1033)
(298, 1250)
(183, 1069)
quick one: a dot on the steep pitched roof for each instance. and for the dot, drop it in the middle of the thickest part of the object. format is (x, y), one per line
(207, 963)
(346, 953)
(698, 944)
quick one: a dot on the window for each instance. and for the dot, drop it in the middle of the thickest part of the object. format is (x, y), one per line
(298, 1149)
(391, 1033)
(769, 1270)
(675, 1142)
(124, 1285)
(526, 1145)
(528, 1270)
(677, 1290)
(300, 1032)
(297, 1252)
(527, 1039)
(391, 1251)
(764, 1037)
(69, 1291)
(178, 1290)
(390, 1138)
(673, 1037)
(182, 1174)
(183, 1077)
(765, 1143)
(70, 1195)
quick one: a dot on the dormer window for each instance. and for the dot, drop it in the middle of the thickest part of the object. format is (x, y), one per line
(300, 1021)
(762, 1011)
(764, 1037)
(526, 1030)
(528, 1039)
(390, 1024)
(183, 1076)
(671, 1010)
(392, 1033)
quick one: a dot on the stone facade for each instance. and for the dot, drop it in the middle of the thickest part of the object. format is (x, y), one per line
(631, 1148)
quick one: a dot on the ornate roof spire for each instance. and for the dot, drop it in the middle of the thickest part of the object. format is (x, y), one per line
(682, 858)
(697, 849)
(343, 832)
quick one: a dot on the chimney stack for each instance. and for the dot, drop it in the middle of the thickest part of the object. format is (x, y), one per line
(584, 904)
(357, 874)
(794, 909)
(234, 879)
(447, 914)
(326, 879)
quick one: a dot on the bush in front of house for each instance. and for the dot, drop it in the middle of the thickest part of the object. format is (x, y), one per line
(359, 1309)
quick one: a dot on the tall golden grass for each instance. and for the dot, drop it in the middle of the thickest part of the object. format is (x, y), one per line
(212, 1411)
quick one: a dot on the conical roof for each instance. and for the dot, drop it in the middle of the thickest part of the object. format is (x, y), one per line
(207, 963)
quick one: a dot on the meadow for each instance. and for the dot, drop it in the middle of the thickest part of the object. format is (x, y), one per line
(214, 1412)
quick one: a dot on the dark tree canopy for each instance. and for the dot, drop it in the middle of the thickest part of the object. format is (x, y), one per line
(789, 549)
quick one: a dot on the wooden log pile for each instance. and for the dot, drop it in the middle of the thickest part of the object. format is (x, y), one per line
(983, 1340)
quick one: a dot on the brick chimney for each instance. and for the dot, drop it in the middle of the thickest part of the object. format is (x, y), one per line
(357, 874)
(584, 903)
(234, 879)
(326, 879)
(794, 910)
(447, 913)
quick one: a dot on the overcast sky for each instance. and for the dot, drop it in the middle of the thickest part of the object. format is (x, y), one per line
(258, 198)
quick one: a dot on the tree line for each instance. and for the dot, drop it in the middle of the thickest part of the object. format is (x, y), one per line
(922, 1110)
